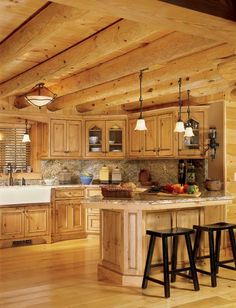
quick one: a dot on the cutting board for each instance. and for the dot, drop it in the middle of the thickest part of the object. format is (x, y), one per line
(163, 194)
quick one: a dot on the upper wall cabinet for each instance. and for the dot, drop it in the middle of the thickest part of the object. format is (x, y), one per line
(105, 138)
(194, 146)
(60, 139)
(66, 138)
(156, 141)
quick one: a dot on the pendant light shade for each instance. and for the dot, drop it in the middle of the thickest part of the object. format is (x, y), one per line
(141, 125)
(179, 126)
(26, 137)
(188, 132)
(189, 129)
(40, 96)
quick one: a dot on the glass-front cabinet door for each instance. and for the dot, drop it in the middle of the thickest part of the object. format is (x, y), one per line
(115, 138)
(95, 138)
(193, 146)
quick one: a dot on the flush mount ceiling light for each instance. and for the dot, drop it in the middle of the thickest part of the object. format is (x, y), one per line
(179, 126)
(40, 96)
(188, 129)
(141, 125)
(26, 137)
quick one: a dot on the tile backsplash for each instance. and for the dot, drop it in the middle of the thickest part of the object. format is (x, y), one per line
(163, 171)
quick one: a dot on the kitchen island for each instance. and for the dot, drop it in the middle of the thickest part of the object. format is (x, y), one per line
(123, 224)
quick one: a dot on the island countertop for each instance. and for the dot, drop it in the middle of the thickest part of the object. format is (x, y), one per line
(145, 201)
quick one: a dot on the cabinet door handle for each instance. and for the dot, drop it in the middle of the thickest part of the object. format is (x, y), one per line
(66, 151)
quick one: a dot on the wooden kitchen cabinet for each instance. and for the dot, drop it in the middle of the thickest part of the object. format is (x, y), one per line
(12, 223)
(156, 141)
(65, 138)
(25, 222)
(105, 138)
(60, 139)
(68, 215)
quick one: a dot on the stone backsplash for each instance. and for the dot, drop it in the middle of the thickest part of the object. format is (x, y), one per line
(163, 171)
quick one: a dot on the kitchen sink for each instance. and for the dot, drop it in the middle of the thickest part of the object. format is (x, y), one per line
(24, 194)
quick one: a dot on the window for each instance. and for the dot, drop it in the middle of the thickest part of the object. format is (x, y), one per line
(13, 150)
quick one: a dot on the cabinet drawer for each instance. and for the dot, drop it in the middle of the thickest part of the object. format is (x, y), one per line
(93, 211)
(69, 193)
(93, 223)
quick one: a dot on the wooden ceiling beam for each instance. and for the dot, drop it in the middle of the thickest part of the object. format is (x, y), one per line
(224, 9)
(182, 67)
(118, 38)
(38, 29)
(202, 80)
(160, 13)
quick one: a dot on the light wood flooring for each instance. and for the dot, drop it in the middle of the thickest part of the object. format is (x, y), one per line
(63, 274)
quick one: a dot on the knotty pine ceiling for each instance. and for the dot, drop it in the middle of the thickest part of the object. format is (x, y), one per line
(90, 52)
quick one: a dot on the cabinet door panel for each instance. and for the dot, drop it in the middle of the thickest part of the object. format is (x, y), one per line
(135, 139)
(74, 139)
(12, 223)
(95, 147)
(70, 216)
(150, 137)
(62, 216)
(165, 134)
(37, 221)
(58, 138)
(115, 138)
(78, 215)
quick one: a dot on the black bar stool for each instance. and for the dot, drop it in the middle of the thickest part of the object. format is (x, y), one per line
(214, 248)
(164, 234)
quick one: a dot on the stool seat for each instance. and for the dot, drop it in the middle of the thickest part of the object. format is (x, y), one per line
(170, 232)
(164, 235)
(214, 247)
(216, 226)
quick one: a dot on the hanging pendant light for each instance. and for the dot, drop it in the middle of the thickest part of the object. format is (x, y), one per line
(40, 96)
(26, 137)
(141, 125)
(188, 129)
(179, 126)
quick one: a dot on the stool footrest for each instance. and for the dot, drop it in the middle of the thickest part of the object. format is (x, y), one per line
(227, 266)
(155, 280)
(226, 261)
(179, 270)
(185, 275)
(203, 271)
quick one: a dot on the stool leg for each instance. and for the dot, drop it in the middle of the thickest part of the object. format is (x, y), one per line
(166, 266)
(196, 243)
(233, 244)
(217, 253)
(192, 262)
(148, 261)
(212, 259)
(174, 258)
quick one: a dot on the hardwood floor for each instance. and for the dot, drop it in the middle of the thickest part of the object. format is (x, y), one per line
(63, 274)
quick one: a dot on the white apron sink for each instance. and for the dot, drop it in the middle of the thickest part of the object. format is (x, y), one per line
(24, 194)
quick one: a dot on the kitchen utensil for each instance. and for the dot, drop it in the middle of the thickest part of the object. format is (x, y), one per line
(64, 177)
(104, 175)
(96, 149)
(116, 176)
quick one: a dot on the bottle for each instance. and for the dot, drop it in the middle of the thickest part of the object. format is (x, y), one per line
(181, 172)
(190, 174)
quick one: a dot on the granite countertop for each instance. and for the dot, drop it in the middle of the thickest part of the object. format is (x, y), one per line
(145, 201)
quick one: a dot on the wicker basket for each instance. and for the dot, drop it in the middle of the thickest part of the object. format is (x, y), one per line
(113, 191)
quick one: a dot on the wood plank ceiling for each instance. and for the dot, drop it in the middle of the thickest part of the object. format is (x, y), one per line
(90, 52)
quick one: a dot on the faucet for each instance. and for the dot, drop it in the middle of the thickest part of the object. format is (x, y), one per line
(10, 170)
